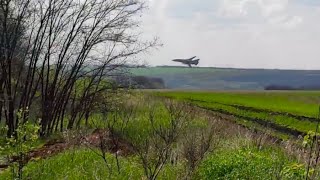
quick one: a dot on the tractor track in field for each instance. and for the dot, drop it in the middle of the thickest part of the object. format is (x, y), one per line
(262, 122)
(257, 110)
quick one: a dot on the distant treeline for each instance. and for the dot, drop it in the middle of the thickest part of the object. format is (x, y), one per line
(286, 87)
(140, 82)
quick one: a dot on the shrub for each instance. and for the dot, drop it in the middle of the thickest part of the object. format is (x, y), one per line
(249, 163)
(17, 147)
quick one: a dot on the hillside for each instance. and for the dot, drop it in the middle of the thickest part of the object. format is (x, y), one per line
(229, 79)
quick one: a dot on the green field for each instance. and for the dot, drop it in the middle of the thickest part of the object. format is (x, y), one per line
(155, 71)
(293, 113)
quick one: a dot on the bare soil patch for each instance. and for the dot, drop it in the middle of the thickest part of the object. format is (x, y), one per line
(54, 147)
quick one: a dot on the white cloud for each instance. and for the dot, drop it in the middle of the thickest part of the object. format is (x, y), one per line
(241, 8)
(233, 8)
(271, 7)
(293, 22)
(237, 33)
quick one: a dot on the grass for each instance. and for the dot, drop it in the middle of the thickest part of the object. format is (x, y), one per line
(282, 120)
(233, 160)
(85, 164)
(250, 163)
(156, 71)
(287, 110)
(303, 103)
(243, 162)
(234, 156)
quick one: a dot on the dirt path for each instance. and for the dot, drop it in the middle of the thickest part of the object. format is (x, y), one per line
(54, 147)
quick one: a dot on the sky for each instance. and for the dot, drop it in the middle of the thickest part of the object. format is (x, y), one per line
(276, 34)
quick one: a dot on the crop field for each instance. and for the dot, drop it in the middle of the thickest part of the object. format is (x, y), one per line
(285, 113)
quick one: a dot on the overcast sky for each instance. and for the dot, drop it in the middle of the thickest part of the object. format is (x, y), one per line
(236, 33)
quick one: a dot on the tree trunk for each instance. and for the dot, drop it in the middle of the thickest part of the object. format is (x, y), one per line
(10, 121)
(1, 98)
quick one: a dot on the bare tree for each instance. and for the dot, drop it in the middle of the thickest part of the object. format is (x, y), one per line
(66, 42)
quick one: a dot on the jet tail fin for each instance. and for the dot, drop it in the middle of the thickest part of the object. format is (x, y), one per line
(193, 57)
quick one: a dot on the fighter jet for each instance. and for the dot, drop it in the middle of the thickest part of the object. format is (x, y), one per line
(189, 62)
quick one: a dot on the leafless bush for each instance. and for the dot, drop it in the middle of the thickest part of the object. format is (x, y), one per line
(196, 143)
(103, 147)
(117, 126)
(115, 114)
(155, 150)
